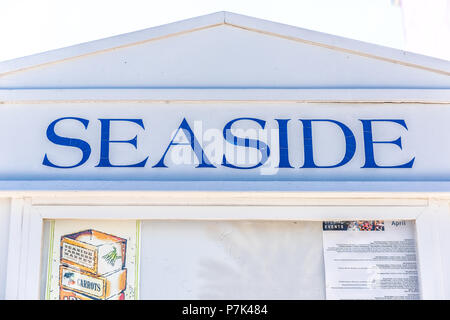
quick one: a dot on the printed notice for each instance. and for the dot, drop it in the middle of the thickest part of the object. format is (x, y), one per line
(93, 260)
(370, 260)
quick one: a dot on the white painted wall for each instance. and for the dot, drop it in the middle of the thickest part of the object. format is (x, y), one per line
(4, 234)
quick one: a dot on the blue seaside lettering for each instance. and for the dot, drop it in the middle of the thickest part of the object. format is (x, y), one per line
(371, 160)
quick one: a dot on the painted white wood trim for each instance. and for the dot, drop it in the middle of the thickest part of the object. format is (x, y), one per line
(441, 225)
(34, 254)
(111, 43)
(231, 199)
(337, 43)
(12, 187)
(310, 213)
(25, 249)
(35, 214)
(234, 20)
(431, 226)
(217, 95)
(14, 249)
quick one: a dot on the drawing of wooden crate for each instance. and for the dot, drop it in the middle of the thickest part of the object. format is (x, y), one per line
(93, 251)
(96, 286)
(65, 294)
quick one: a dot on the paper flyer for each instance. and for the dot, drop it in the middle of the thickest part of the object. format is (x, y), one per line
(93, 260)
(370, 260)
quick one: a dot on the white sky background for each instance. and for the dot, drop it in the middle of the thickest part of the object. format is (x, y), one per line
(33, 26)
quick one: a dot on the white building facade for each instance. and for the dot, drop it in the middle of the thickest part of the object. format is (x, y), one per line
(217, 127)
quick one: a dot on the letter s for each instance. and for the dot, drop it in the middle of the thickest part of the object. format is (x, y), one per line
(262, 147)
(70, 142)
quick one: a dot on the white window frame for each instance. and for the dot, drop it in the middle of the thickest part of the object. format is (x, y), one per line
(432, 218)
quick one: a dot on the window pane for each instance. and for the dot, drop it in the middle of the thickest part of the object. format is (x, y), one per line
(232, 260)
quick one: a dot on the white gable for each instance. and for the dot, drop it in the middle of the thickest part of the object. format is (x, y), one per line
(225, 50)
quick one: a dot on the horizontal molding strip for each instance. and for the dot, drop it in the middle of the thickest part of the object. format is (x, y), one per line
(8, 187)
(215, 95)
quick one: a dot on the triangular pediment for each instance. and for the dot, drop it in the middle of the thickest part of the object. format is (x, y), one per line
(225, 50)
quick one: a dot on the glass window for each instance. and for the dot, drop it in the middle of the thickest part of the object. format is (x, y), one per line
(198, 259)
